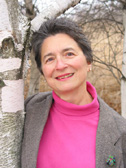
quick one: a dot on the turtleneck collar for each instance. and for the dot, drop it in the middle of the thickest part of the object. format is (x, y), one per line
(78, 110)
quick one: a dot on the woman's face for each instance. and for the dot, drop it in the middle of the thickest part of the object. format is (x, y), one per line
(63, 64)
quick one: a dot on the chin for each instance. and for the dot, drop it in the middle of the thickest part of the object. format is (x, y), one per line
(64, 90)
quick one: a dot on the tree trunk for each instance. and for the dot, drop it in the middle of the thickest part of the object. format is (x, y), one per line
(123, 80)
(13, 33)
(30, 12)
(34, 77)
(51, 10)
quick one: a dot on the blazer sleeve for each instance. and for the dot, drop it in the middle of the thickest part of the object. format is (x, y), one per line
(121, 122)
(124, 149)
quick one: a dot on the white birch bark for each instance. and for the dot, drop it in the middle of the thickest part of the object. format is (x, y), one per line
(13, 32)
(123, 80)
(50, 9)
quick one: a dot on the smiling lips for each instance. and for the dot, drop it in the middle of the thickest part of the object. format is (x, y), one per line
(64, 76)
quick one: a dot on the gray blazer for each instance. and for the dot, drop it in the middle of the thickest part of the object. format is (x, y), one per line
(110, 139)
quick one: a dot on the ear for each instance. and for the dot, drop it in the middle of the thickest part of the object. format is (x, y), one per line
(89, 66)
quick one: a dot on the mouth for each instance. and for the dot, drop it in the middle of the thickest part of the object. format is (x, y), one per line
(65, 76)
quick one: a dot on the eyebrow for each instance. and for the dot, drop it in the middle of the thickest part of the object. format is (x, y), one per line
(47, 55)
(65, 49)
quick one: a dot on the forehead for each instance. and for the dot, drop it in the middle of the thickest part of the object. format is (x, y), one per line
(59, 37)
(58, 42)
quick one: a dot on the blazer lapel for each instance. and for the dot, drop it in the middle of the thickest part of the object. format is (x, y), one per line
(40, 112)
(107, 139)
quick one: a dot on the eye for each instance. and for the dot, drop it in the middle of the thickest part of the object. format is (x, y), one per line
(49, 59)
(70, 54)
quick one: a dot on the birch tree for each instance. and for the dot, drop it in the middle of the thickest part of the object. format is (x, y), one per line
(30, 9)
(13, 38)
(123, 79)
(15, 33)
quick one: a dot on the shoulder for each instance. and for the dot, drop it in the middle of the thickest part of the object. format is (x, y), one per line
(113, 125)
(39, 97)
(113, 115)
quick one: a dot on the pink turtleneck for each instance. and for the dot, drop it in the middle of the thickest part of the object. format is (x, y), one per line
(69, 136)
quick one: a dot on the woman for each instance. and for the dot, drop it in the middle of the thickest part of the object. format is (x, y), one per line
(69, 127)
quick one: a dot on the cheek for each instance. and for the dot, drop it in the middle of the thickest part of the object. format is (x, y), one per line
(47, 71)
(81, 65)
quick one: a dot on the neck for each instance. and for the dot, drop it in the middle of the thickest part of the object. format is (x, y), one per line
(80, 97)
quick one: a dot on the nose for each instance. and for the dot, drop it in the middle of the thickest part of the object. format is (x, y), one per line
(60, 64)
